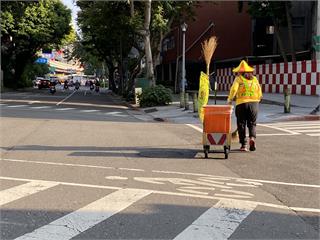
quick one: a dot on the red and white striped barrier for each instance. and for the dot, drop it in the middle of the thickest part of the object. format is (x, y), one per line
(301, 77)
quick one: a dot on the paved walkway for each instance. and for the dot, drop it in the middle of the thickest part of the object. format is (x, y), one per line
(271, 109)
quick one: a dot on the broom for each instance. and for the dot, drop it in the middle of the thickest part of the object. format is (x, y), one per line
(208, 48)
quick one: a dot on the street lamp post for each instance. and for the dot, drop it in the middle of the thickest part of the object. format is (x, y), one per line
(183, 98)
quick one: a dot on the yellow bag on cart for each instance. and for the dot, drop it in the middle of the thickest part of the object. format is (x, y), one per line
(203, 95)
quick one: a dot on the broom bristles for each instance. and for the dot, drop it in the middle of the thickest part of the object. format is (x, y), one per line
(208, 48)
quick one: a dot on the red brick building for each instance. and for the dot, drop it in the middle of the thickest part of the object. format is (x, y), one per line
(222, 19)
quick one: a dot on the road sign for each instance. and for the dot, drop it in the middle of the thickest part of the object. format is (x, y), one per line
(42, 60)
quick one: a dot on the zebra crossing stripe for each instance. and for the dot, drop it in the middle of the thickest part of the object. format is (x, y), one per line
(16, 106)
(88, 111)
(308, 130)
(15, 193)
(219, 222)
(41, 107)
(64, 109)
(314, 134)
(303, 127)
(84, 218)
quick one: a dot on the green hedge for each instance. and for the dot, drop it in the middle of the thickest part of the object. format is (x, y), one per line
(155, 96)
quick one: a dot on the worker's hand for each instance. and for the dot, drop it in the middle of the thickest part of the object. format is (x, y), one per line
(229, 102)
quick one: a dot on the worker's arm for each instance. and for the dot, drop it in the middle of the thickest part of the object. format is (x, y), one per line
(233, 90)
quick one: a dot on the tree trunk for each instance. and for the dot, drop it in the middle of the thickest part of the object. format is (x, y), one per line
(147, 43)
(291, 42)
(277, 33)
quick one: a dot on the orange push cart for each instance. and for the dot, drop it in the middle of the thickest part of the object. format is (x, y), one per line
(217, 128)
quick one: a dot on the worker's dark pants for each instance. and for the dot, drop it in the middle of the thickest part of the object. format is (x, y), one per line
(246, 114)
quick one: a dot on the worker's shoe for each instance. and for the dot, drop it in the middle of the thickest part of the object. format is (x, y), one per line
(243, 148)
(252, 144)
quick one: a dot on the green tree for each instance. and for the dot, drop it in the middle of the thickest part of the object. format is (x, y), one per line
(26, 28)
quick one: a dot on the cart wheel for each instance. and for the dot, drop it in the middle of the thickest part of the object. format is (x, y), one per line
(206, 149)
(226, 151)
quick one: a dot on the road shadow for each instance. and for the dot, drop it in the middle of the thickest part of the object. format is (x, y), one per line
(93, 151)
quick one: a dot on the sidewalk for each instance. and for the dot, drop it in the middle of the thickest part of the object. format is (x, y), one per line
(271, 109)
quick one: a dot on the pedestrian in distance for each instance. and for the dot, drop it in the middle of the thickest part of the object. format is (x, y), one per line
(247, 91)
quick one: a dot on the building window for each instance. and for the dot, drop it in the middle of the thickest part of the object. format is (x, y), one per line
(168, 44)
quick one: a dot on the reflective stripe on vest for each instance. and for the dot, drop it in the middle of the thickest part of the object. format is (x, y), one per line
(246, 91)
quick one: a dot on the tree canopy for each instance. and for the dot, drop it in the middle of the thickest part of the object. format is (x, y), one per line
(26, 28)
(111, 30)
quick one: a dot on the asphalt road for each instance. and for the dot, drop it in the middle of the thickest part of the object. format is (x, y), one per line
(84, 165)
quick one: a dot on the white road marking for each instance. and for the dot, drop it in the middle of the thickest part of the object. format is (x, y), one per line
(294, 123)
(165, 193)
(66, 98)
(32, 102)
(262, 134)
(167, 172)
(41, 107)
(116, 178)
(17, 106)
(195, 127)
(303, 127)
(308, 130)
(71, 165)
(219, 222)
(88, 111)
(314, 134)
(84, 218)
(70, 103)
(64, 109)
(17, 192)
(112, 113)
(277, 128)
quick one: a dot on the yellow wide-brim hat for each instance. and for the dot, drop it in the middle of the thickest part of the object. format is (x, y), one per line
(243, 67)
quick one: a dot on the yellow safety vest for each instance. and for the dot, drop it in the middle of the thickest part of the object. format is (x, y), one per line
(245, 90)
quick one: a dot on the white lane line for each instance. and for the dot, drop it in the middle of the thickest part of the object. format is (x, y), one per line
(160, 171)
(112, 113)
(84, 218)
(41, 107)
(261, 134)
(72, 165)
(17, 106)
(71, 103)
(64, 109)
(303, 127)
(166, 193)
(219, 222)
(17, 192)
(314, 134)
(89, 111)
(195, 127)
(280, 129)
(32, 102)
(65, 98)
(294, 123)
(308, 130)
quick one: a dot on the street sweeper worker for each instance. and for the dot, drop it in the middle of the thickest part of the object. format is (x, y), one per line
(247, 90)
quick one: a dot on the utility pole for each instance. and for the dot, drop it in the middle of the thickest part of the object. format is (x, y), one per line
(183, 80)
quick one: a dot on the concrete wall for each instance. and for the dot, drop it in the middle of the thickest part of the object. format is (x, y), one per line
(302, 77)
